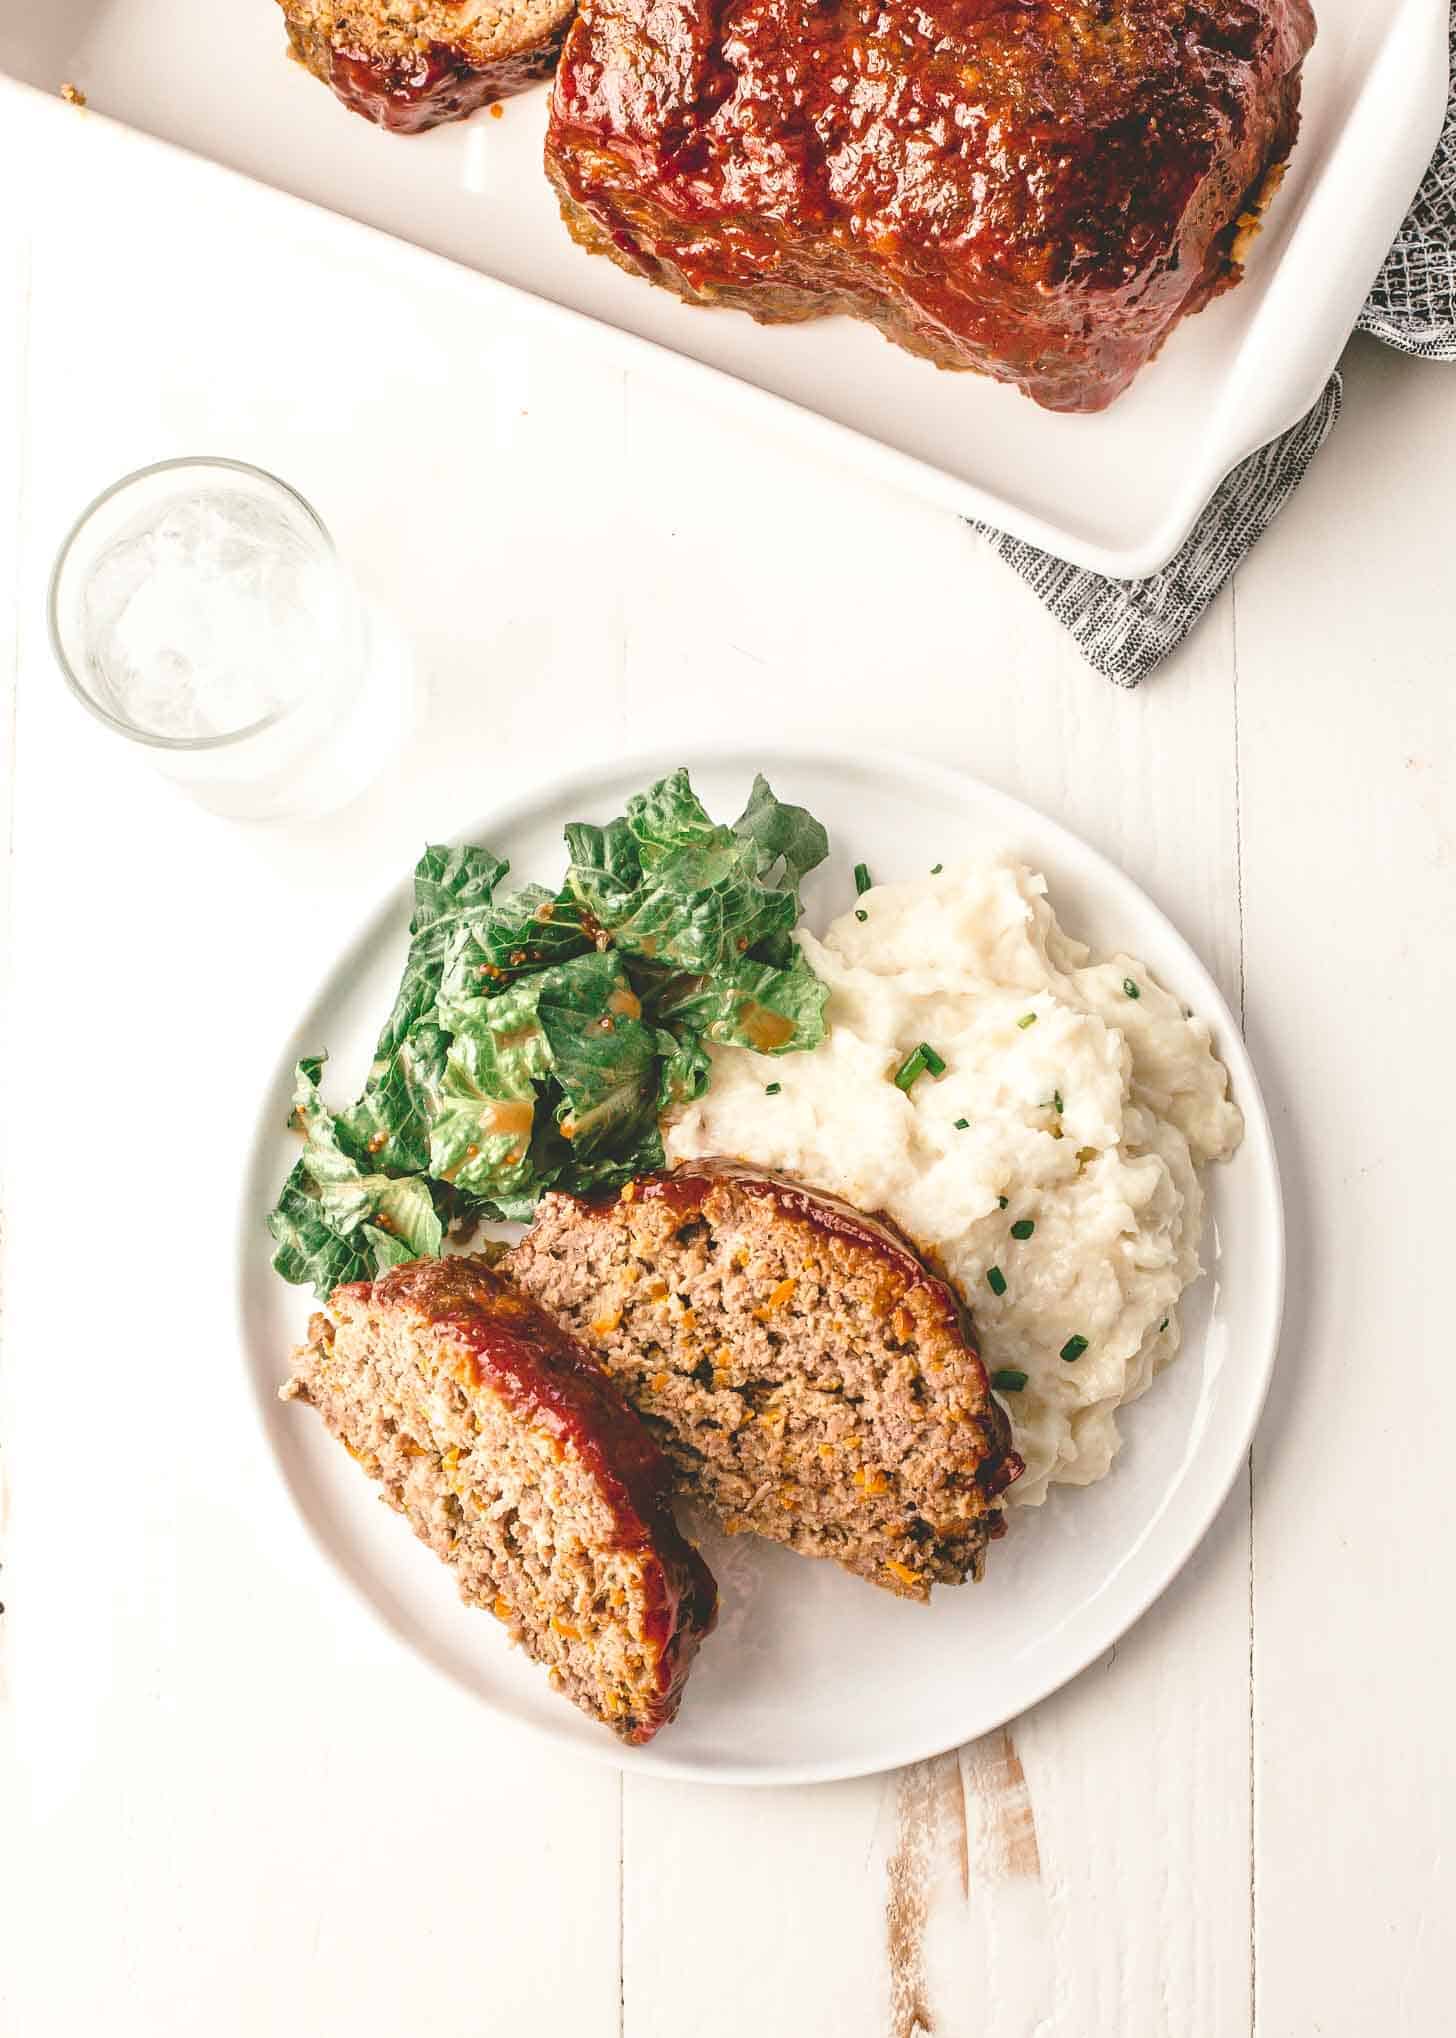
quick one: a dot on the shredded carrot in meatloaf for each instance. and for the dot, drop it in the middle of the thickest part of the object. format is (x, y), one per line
(767, 1321)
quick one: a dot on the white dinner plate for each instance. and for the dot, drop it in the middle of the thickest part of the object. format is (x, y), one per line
(1117, 492)
(813, 1674)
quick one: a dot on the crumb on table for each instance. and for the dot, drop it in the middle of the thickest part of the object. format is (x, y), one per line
(72, 94)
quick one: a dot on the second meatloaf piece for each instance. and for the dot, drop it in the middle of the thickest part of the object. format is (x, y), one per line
(810, 1379)
(502, 1445)
(1038, 189)
(411, 64)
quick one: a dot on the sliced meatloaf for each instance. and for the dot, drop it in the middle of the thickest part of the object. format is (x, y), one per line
(809, 1377)
(517, 1461)
(411, 64)
(1038, 189)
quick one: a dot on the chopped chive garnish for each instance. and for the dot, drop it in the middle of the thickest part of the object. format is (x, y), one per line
(1056, 1100)
(936, 869)
(772, 1089)
(963, 1125)
(1006, 1380)
(995, 1280)
(1023, 1227)
(862, 878)
(1074, 1348)
(923, 1059)
(1162, 1326)
(1002, 1200)
(1026, 1019)
(860, 913)
(912, 1066)
(1130, 989)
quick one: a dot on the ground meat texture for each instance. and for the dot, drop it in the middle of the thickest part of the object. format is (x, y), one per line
(516, 1460)
(809, 1377)
(411, 64)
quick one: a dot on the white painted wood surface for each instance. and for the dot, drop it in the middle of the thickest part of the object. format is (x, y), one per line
(228, 1802)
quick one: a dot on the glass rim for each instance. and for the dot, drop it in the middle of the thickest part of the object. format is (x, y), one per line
(73, 680)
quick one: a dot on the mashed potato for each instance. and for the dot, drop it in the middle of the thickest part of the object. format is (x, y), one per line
(1077, 1099)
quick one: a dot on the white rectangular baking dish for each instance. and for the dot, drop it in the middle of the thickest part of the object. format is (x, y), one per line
(1118, 492)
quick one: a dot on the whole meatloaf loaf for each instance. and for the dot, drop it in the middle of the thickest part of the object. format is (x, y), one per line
(510, 1454)
(1038, 189)
(411, 64)
(809, 1377)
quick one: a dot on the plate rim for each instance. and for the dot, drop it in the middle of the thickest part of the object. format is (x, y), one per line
(783, 757)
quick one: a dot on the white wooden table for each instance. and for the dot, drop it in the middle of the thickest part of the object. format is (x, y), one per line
(230, 1804)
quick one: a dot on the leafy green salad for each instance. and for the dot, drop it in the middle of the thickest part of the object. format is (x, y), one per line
(537, 1037)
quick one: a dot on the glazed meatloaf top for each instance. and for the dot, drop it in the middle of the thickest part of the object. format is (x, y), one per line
(520, 1464)
(411, 64)
(810, 1378)
(1035, 188)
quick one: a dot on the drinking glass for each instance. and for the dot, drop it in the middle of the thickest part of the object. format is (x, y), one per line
(199, 609)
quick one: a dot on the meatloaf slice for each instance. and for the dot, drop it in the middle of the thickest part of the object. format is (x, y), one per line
(1038, 189)
(411, 64)
(808, 1376)
(516, 1460)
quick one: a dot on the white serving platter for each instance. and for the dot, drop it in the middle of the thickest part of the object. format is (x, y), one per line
(813, 1674)
(1118, 492)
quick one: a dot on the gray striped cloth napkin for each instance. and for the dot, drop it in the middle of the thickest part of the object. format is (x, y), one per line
(1124, 628)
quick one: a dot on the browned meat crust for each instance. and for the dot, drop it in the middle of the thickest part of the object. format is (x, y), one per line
(519, 1463)
(411, 64)
(1038, 189)
(809, 1377)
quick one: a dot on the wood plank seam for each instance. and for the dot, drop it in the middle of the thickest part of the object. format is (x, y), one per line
(16, 398)
(1239, 899)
